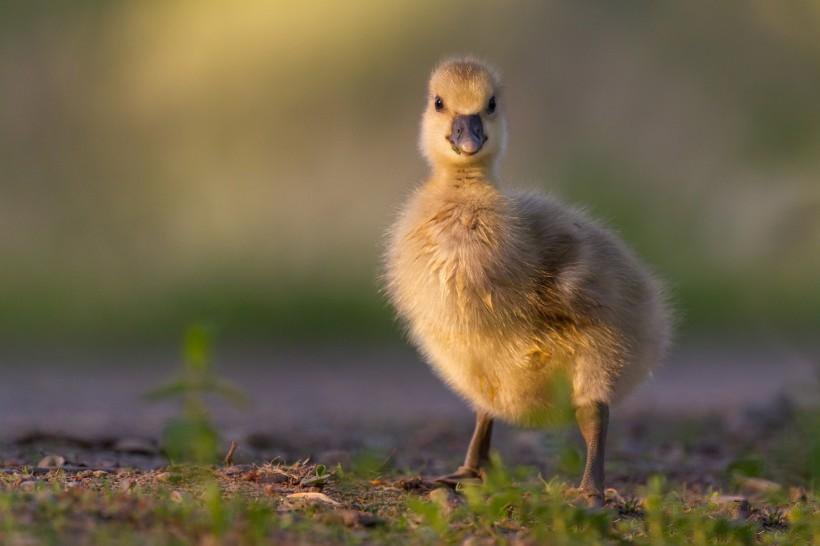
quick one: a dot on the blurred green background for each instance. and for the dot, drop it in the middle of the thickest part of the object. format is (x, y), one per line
(165, 162)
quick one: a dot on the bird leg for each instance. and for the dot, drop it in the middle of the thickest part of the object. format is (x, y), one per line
(593, 420)
(478, 452)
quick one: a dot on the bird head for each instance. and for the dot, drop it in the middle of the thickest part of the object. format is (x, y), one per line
(463, 122)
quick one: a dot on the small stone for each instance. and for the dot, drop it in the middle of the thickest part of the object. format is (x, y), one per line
(28, 485)
(51, 461)
(309, 497)
(127, 485)
(737, 506)
(99, 473)
(447, 499)
(176, 496)
(162, 476)
(759, 485)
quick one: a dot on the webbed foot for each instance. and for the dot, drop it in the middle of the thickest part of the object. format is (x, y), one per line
(464, 474)
(592, 497)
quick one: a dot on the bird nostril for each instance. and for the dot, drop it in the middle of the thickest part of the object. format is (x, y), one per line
(469, 128)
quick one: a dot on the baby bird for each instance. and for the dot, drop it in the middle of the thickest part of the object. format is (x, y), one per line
(505, 293)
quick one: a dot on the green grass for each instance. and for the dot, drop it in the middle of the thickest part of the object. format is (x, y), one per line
(245, 506)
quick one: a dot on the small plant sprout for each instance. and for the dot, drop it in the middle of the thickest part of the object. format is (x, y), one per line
(192, 437)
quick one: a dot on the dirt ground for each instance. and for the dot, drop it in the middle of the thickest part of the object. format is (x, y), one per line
(328, 403)
(339, 446)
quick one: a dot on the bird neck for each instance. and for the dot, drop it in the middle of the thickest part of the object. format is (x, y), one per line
(464, 175)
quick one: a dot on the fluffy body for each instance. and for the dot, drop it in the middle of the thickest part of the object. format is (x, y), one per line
(504, 293)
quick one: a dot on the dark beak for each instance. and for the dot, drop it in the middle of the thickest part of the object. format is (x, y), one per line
(467, 135)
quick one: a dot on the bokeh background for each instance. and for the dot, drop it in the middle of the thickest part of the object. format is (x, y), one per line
(164, 162)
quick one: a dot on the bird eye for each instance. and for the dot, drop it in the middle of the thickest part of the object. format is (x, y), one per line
(439, 104)
(491, 106)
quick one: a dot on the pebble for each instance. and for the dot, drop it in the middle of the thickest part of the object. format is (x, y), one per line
(51, 461)
(447, 499)
(309, 497)
(759, 485)
(738, 506)
(28, 485)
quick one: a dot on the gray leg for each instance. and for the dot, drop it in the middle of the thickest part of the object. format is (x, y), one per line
(593, 420)
(478, 452)
(484, 451)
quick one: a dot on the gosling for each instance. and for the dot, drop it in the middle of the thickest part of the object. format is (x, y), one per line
(505, 293)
